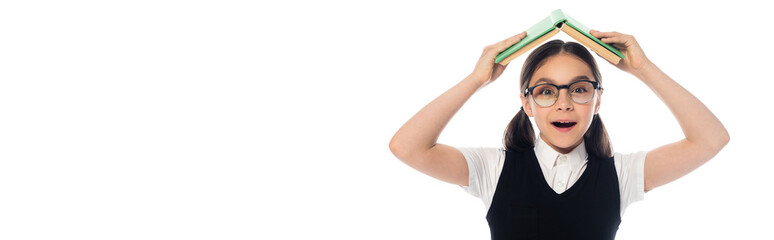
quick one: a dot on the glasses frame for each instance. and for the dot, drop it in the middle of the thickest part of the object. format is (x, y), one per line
(559, 88)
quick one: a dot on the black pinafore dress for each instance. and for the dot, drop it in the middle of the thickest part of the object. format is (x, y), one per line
(524, 206)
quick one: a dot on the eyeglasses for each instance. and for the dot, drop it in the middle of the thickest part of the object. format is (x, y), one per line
(546, 94)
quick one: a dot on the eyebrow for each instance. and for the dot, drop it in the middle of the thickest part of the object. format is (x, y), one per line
(548, 80)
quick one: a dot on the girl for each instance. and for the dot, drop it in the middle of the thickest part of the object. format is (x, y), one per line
(565, 183)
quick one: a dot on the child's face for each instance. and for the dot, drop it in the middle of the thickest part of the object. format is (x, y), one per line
(563, 124)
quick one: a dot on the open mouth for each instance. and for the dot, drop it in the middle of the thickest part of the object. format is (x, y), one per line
(563, 124)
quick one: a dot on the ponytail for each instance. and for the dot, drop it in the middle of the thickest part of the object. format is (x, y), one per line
(596, 139)
(519, 135)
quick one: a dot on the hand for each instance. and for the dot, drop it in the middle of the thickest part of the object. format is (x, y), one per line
(635, 59)
(486, 70)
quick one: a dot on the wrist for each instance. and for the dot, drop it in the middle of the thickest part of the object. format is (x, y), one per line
(477, 80)
(474, 82)
(645, 70)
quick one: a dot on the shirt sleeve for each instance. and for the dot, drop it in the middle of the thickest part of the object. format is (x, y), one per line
(484, 167)
(631, 177)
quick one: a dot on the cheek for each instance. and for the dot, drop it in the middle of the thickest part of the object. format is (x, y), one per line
(541, 117)
(587, 109)
(587, 114)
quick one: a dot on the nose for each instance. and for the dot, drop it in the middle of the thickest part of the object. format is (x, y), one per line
(564, 103)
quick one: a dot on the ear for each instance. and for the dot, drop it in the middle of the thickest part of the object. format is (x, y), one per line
(599, 101)
(526, 105)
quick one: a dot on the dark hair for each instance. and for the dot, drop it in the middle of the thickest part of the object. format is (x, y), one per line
(519, 135)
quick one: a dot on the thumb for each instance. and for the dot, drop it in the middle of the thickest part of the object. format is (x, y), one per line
(498, 70)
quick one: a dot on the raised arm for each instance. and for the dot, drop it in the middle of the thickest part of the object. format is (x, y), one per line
(705, 136)
(415, 142)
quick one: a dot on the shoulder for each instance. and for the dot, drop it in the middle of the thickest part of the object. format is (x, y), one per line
(623, 160)
(484, 160)
(482, 153)
(629, 156)
(484, 166)
(630, 168)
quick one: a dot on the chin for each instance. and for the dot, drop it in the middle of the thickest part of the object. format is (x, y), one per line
(564, 142)
(567, 143)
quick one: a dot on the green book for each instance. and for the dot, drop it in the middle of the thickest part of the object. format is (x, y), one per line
(551, 25)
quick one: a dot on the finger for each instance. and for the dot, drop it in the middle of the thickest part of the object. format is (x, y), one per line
(502, 45)
(498, 70)
(623, 41)
(599, 34)
(492, 50)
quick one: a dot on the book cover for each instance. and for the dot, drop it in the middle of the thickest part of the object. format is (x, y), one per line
(544, 26)
(548, 27)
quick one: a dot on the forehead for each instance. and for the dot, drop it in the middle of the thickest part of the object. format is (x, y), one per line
(561, 69)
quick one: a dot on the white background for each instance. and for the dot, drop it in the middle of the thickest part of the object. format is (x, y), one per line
(267, 120)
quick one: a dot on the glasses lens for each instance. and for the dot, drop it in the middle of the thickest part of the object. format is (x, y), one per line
(545, 95)
(581, 92)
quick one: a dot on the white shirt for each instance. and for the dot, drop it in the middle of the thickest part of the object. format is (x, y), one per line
(560, 170)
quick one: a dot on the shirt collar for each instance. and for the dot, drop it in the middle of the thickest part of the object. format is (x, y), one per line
(547, 156)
